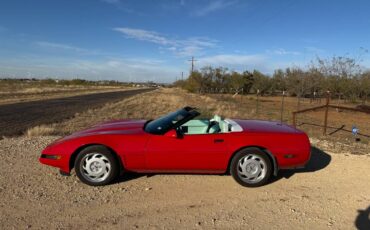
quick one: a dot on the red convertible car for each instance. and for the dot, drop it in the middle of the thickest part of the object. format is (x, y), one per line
(251, 150)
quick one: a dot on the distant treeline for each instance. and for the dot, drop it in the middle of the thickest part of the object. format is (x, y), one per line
(342, 76)
(8, 82)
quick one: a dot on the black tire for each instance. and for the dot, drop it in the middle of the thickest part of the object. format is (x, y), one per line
(100, 153)
(260, 160)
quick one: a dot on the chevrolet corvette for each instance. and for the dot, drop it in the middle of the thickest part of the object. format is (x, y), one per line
(252, 151)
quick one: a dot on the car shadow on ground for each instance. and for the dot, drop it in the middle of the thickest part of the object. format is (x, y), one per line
(362, 221)
(318, 161)
(127, 176)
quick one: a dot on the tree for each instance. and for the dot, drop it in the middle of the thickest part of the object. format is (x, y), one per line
(262, 83)
(278, 81)
(194, 82)
(364, 89)
(243, 81)
(341, 75)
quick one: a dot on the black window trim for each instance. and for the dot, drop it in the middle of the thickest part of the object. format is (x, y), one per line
(192, 114)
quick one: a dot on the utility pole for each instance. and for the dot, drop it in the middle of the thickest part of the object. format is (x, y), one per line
(182, 75)
(192, 64)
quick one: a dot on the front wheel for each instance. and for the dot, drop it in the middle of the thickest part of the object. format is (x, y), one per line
(96, 166)
(251, 167)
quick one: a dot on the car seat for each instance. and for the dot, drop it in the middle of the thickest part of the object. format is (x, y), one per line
(215, 124)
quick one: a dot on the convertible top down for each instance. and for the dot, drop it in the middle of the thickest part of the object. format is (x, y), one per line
(251, 150)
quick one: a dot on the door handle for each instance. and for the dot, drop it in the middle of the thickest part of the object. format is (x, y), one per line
(218, 140)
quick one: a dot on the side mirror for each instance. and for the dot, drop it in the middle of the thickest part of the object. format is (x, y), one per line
(172, 133)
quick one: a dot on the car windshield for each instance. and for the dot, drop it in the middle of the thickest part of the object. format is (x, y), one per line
(171, 120)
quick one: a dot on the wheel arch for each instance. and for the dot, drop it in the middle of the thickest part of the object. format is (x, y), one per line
(263, 149)
(79, 149)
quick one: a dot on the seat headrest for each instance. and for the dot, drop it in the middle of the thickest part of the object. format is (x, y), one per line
(217, 118)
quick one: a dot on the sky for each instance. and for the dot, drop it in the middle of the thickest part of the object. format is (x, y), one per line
(153, 40)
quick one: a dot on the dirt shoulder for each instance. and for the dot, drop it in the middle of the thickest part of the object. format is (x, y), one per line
(328, 194)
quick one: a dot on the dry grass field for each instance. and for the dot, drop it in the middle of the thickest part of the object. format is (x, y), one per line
(13, 92)
(331, 193)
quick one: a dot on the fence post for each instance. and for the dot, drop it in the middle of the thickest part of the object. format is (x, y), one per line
(257, 102)
(326, 111)
(241, 96)
(282, 108)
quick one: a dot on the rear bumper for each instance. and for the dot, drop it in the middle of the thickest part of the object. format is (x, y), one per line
(297, 161)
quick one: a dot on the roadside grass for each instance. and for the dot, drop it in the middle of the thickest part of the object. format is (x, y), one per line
(28, 91)
(41, 130)
(9, 87)
(17, 91)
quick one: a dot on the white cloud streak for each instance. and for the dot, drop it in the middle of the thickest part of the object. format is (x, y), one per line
(282, 51)
(231, 59)
(180, 47)
(53, 45)
(213, 6)
(145, 35)
(313, 49)
(136, 69)
(111, 1)
(67, 48)
(236, 62)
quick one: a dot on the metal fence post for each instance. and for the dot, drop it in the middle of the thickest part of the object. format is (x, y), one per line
(326, 111)
(257, 102)
(282, 107)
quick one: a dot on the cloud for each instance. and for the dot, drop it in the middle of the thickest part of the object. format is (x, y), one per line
(144, 35)
(111, 1)
(231, 59)
(213, 6)
(235, 61)
(282, 51)
(173, 5)
(309, 40)
(128, 69)
(59, 46)
(263, 62)
(67, 47)
(135, 69)
(313, 49)
(180, 47)
(122, 6)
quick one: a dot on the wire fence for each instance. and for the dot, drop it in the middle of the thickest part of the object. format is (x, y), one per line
(280, 106)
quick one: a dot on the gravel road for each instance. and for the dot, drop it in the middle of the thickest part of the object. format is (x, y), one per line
(18, 117)
(332, 193)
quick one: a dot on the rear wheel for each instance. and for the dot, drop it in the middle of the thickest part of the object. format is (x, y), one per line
(251, 167)
(96, 166)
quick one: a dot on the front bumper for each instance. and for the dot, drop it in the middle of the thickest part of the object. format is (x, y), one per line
(55, 160)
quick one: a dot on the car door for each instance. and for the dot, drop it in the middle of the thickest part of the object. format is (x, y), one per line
(187, 153)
